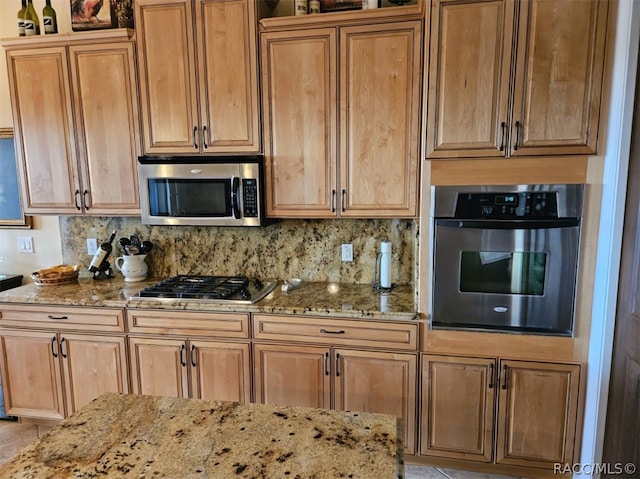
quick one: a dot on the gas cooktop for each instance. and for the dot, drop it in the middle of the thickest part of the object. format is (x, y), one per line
(218, 289)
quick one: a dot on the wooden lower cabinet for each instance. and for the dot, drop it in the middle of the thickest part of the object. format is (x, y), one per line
(292, 375)
(50, 375)
(507, 412)
(458, 399)
(202, 369)
(344, 379)
(537, 413)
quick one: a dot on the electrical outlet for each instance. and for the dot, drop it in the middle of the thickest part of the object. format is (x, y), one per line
(92, 246)
(347, 252)
(25, 244)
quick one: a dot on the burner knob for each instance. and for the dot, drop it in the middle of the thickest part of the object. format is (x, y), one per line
(244, 293)
(258, 284)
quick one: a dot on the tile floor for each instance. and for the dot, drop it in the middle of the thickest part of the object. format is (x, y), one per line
(15, 436)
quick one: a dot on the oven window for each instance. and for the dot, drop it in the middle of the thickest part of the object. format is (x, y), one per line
(209, 198)
(502, 272)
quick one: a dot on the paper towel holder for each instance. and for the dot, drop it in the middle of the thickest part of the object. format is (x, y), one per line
(382, 277)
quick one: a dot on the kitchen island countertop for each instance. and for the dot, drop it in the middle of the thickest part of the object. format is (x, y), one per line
(134, 436)
(312, 298)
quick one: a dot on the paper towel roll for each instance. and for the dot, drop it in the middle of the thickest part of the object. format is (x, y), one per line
(385, 264)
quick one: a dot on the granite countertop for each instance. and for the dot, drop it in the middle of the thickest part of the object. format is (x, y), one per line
(313, 298)
(134, 436)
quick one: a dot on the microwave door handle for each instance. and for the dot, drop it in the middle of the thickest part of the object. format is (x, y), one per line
(235, 199)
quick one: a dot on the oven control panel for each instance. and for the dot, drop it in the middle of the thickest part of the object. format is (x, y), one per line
(521, 205)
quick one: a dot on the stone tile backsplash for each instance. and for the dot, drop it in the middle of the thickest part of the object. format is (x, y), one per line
(306, 249)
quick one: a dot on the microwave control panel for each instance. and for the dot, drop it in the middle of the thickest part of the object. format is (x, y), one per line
(250, 197)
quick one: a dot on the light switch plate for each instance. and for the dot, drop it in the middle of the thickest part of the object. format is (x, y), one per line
(25, 244)
(347, 252)
(92, 246)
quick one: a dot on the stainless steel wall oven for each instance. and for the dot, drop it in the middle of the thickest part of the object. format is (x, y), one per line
(505, 258)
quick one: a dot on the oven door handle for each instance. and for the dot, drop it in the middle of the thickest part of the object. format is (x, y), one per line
(510, 224)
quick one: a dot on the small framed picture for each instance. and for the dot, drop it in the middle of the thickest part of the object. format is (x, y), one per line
(101, 14)
(11, 215)
(91, 15)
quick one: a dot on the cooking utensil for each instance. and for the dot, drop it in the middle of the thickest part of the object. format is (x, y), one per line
(146, 246)
(291, 283)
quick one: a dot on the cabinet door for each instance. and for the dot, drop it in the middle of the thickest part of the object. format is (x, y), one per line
(45, 136)
(469, 72)
(92, 365)
(166, 63)
(458, 401)
(292, 375)
(378, 382)
(299, 102)
(159, 367)
(537, 413)
(559, 70)
(31, 375)
(228, 69)
(105, 99)
(220, 371)
(380, 67)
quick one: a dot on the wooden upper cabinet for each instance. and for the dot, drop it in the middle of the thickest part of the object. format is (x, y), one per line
(198, 76)
(76, 123)
(300, 120)
(107, 131)
(341, 119)
(558, 77)
(468, 78)
(43, 129)
(379, 119)
(497, 91)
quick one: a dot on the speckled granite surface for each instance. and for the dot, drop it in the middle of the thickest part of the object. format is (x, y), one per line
(326, 299)
(132, 436)
(307, 249)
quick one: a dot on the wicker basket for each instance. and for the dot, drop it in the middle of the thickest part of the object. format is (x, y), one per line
(56, 275)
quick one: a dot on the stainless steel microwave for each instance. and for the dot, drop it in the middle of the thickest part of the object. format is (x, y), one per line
(209, 191)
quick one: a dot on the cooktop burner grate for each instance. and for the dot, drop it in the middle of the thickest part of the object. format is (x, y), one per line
(236, 289)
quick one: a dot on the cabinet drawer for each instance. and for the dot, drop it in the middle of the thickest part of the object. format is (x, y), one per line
(61, 317)
(187, 323)
(374, 334)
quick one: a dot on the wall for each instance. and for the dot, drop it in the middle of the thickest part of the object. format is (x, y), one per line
(45, 231)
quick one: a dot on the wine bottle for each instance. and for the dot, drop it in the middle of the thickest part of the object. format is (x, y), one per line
(21, 13)
(49, 20)
(31, 21)
(102, 254)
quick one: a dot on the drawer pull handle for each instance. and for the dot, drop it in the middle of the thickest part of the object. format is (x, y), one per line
(63, 348)
(490, 386)
(326, 364)
(504, 382)
(326, 331)
(337, 364)
(515, 147)
(182, 361)
(193, 357)
(57, 317)
(53, 349)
